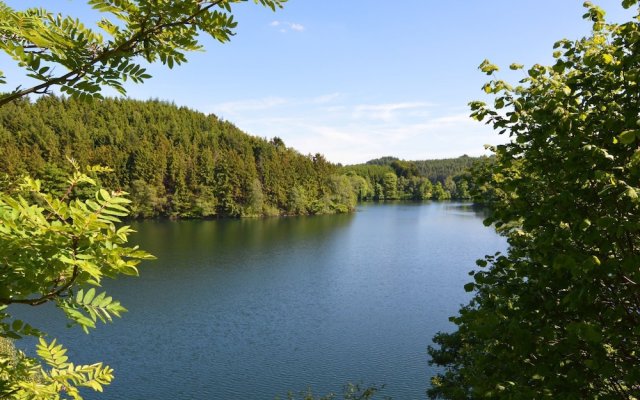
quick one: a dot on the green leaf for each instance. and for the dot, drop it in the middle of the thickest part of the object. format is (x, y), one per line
(17, 325)
(487, 67)
(89, 296)
(79, 296)
(103, 195)
(628, 136)
(607, 58)
(89, 267)
(631, 193)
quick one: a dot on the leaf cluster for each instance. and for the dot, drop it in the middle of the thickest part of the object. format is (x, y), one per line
(22, 378)
(51, 247)
(558, 315)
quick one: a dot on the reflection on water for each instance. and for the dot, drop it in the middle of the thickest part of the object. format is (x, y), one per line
(229, 235)
(466, 210)
(249, 309)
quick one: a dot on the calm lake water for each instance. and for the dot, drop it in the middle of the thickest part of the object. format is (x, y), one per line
(250, 309)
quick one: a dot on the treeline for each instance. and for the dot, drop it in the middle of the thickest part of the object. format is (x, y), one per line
(173, 161)
(389, 178)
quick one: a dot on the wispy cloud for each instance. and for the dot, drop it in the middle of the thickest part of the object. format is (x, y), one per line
(386, 112)
(326, 98)
(353, 141)
(345, 132)
(239, 107)
(284, 26)
(236, 108)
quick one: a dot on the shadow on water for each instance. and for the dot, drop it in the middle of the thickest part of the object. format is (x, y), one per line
(468, 209)
(230, 234)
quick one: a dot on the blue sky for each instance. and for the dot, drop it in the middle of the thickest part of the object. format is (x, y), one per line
(360, 79)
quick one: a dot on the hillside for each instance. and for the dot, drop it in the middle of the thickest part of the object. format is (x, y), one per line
(391, 178)
(173, 161)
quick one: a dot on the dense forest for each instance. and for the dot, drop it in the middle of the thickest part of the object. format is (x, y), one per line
(173, 161)
(389, 178)
(176, 162)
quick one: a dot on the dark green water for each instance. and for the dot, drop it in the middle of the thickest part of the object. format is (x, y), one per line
(250, 309)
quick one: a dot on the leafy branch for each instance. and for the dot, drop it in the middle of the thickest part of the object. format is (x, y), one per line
(38, 40)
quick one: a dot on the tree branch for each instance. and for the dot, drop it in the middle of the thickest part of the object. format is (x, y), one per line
(8, 394)
(49, 296)
(126, 46)
(55, 291)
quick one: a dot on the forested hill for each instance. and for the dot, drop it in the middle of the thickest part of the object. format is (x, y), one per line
(435, 170)
(173, 161)
(392, 178)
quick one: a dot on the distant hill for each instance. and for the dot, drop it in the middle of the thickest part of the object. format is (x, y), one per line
(173, 161)
(418, 180)
(435, 170)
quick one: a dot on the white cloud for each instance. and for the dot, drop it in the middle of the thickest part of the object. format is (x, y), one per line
(285, 27)
(237, 108)
(351, 133)
(386, 112)
(326, 98)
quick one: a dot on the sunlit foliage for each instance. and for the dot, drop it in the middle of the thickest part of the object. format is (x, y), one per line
(558, 315)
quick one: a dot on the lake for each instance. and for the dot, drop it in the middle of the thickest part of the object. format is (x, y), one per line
(250, 309)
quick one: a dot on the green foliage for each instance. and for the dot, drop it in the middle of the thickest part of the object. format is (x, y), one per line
(439, 193)
(174, 162)
(22, 378)
(390, 186)
(557, 316)
(14, 367)
(131, 30)
(434, 170)
(55, 241)
(361, 187)
(344, 197)
(53, 248)
(414, 180)
(62, 376)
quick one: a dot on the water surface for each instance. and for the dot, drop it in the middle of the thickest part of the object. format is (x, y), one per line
(250, 309)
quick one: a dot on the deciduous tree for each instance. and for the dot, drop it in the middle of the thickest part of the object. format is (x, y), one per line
(58, 248)
(55, 247)
(558, 315)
